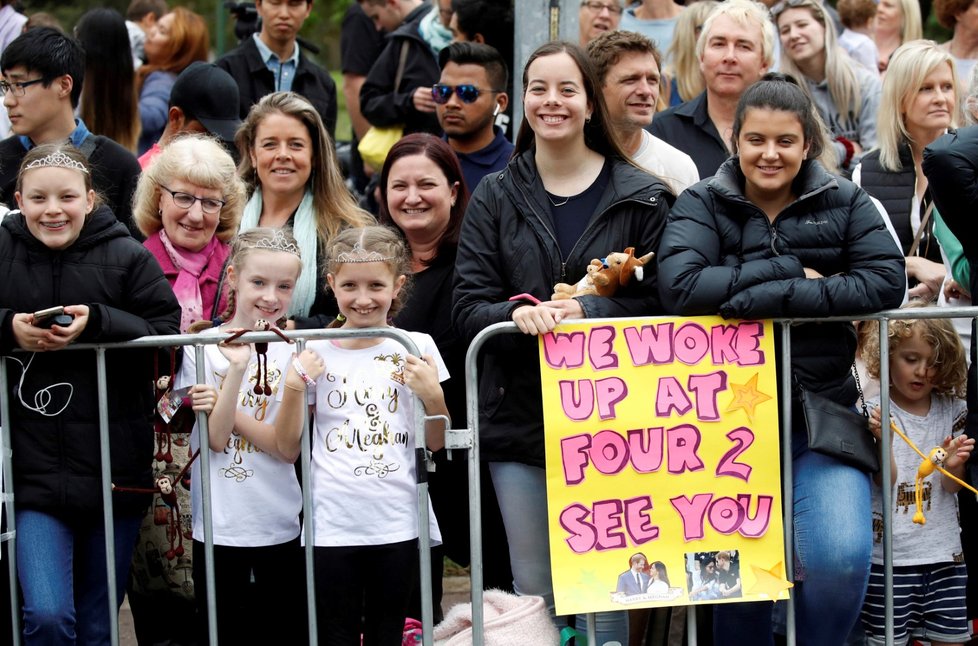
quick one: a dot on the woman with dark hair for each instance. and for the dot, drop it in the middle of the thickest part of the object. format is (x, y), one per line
(568, 195)
(108, 100)
(961, 17)
(743, 245)
(423, 196)
(658, 578)
(176, 40)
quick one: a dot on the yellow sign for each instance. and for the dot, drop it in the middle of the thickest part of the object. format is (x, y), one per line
(663, 463)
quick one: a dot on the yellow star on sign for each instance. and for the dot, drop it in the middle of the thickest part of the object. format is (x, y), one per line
(747, 397)
(770, 582)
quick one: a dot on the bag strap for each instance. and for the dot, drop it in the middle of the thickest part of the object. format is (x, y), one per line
(862, 398)
(923, 226)
(400, 65)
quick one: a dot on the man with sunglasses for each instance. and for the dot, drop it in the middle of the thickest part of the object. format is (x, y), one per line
(42, 73)
(468, 98)
(397, 91)
(627, 65)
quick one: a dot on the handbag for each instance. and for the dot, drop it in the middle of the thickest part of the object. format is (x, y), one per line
(838, 431)
(378, 141)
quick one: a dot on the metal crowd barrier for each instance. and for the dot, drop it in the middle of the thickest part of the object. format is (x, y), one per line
(198, 341)
(467, 438)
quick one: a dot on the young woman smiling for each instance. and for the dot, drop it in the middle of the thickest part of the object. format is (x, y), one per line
(847, 95)
(567, 196)
(743, 245)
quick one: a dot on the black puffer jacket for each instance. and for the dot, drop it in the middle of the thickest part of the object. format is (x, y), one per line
(508, 247)
(951, 166)
(56, 458)
(720, 253)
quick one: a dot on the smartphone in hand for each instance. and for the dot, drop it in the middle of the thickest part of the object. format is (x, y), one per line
(52, 316)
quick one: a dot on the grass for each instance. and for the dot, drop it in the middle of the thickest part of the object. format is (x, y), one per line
(343, 127)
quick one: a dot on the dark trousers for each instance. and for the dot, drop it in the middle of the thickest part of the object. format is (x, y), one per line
(364, 590)
(261, 594)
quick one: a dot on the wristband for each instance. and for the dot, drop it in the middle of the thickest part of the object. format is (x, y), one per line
(302, 372)
(850, 150)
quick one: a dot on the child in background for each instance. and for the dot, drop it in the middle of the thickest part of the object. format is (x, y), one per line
(63, 249)
(927, 384)
(363, 458)
(255, 494)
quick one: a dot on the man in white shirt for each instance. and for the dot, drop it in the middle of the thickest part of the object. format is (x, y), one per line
(627, 64)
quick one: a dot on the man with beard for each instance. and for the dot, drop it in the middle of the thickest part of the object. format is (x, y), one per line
(469, 95)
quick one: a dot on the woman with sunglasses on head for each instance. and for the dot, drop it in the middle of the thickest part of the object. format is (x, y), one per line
(568, 195)
(847, 95)
(743, 245)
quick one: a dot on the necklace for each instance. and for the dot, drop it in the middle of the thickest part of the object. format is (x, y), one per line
(556, 204)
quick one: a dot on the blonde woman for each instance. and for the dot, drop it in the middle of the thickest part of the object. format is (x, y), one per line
(288, 161)
(846, 95)
(684, 66)
(918, 105)
(897, 22)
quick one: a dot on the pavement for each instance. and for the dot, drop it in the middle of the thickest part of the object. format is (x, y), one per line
(456, 590)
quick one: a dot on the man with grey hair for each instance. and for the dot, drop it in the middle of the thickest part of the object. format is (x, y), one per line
(627, 65)
(735, 48)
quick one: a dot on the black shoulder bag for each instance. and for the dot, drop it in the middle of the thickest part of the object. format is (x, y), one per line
(838, 431)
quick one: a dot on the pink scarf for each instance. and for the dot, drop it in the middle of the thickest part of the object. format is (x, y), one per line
(187, 285)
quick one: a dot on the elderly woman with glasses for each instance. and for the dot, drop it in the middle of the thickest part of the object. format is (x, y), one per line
(188, 203)
(847, 95)
(597, 17)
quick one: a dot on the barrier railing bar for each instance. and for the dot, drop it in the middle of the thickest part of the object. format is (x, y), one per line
(108, 517)
(204, 446)
(308, 517)
(787, 479)
(886, 489)
(8, 487)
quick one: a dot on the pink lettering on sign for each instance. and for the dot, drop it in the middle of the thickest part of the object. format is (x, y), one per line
(742, 438)
(609, 452)
(707, 387)
(599, 528)
(726, 515)
(645, 449)
(726, 344)
(683, 440)
(650, 344)
(691, 343)
(564, 350)
(578, 403)
(748, 343)
(670, 396)
(600, 345)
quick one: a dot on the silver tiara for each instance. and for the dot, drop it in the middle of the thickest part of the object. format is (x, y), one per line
(278, 242)
(359, 254)
(56, 159)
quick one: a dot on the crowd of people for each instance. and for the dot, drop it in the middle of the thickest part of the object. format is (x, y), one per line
(790, 159)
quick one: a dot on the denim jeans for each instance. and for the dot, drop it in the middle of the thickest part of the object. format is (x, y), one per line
(522, 493)
(832, 546)
(61, 567)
